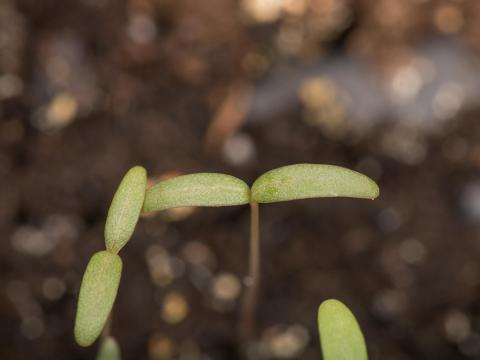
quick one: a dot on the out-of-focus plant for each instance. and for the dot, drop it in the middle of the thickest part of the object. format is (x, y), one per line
(102, 276)
(109, 350)
(340, 335)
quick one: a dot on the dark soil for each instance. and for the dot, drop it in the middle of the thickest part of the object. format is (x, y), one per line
(407, 264)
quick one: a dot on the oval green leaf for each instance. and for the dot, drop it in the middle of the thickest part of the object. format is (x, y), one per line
(97, 295)
(109, 350)
(303, 181)
(340, 335)
(202, 189)
(125, 209)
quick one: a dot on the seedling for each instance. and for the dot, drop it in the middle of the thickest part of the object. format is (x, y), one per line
(102, 276)
(340, 335)
(294, 182)
(101, 279)
(109, 350)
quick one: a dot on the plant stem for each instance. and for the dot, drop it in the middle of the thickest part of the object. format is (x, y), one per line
(247, 322)
(107, 327)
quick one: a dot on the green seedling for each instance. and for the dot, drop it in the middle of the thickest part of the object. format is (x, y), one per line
(340, 335)
(204, 189)
(102, 277)
(109, 350)
(295, 182)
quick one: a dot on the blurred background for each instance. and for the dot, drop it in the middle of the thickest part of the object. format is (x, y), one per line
(89, 88)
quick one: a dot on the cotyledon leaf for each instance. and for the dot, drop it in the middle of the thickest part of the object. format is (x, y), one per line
(125, 209)
(340, 335)
(202, 189)
(97, 295)
(109, 350)
(304, 181)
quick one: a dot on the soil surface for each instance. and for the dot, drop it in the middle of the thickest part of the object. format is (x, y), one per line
(90, 88)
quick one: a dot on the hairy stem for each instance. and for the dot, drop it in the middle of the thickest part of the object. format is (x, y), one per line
(247, 322)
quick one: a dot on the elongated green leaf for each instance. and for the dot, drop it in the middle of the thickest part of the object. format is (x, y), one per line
(203, 189)
(304, 181)
(109, 350)
(125, 209)
(340, 335)
(97, 295)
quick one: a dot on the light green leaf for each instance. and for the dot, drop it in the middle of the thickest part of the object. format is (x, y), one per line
(340, 335)
(303, 181)
(203, 189)
(97, 295)
(109, 350)
(125, 209)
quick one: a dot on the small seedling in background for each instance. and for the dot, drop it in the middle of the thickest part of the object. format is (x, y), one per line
(340, 335)
(109, 350)
(101, 279)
